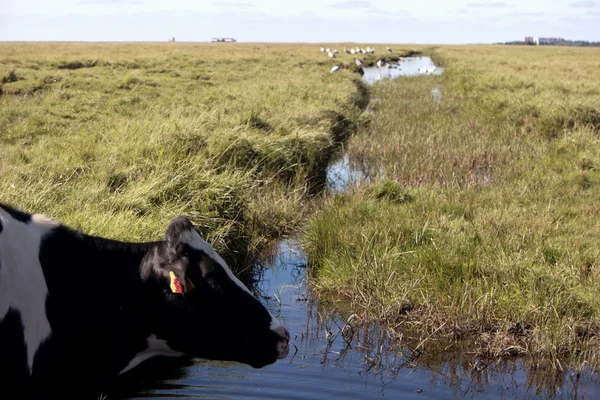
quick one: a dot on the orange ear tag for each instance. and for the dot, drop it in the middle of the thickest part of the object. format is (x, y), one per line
(176, 286)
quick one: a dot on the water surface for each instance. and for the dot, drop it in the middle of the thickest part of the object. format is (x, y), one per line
(407, 66)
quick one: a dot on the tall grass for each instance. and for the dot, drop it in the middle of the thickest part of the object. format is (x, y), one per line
(483, 222)
(116, 139)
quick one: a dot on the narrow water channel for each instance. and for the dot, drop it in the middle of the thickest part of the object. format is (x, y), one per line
(333, 358)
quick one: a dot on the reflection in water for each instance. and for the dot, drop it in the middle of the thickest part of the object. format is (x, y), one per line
(345, 173)
(407, 66)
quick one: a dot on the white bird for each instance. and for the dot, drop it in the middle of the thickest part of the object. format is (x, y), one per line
(323, 49)
(335, 51)
(335, 68)
(327, 50)
(389, 49)
(422, 70)
(359, 63)
(352, 51)
(331, 55)
(379, 63)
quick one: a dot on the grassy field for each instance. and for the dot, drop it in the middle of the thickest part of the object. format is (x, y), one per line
(483, 221)
(116, 139)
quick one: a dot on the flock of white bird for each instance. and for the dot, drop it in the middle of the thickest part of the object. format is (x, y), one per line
(331, 53)
(354, 50)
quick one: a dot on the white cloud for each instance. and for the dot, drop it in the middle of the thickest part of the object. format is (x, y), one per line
(489, 5)
(233, 4)
(109, 2)
(361, 21)
(584, 4)
(352, 4)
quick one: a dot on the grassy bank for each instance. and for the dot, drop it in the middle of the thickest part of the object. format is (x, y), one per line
(117, 139)
(483, 223)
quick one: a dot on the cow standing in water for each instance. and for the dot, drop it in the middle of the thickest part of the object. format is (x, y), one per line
(76, 311)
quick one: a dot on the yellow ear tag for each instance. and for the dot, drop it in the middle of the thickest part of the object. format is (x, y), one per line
(176, 286)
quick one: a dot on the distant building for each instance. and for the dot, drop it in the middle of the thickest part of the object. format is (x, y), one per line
(223, 39)
(543, 41)
(550, 40)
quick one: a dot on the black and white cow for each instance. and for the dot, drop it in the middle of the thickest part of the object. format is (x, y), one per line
(76, 311)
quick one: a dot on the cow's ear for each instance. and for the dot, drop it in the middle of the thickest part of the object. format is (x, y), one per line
(176, 245)
(177, 276)
(177, 229)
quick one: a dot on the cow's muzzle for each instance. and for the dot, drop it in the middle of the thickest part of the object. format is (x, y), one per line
(283, 342)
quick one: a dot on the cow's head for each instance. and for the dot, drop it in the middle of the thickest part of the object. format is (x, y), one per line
(203, 310)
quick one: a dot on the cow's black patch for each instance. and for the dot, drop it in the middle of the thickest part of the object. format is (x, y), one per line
(16, 214)
(13, 364)
(100, 310)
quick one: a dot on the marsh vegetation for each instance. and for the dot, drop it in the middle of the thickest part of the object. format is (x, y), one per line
(482, 221)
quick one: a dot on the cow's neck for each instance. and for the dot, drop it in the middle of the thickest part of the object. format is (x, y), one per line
(96, 296)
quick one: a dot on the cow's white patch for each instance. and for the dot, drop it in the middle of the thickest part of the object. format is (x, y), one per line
(276, 324)
(192, 238)
(22, 284)
(156, 347)
(44, 220)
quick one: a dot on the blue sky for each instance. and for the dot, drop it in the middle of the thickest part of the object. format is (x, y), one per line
(315, 21)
